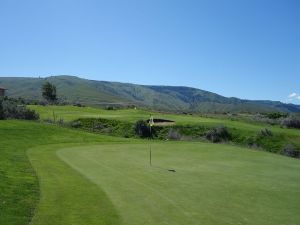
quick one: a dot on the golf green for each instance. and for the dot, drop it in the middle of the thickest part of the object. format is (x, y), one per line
(213, 184)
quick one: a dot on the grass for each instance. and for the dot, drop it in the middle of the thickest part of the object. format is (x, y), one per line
(70, 113)
(66, 196)
(241, 130)
(213, 184)
(19, 190)
(83, 178)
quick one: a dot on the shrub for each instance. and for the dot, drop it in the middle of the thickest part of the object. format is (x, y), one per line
(266, 133)
(76, 124)
(78, 104)
(291, 151)
(218, 134)
(48, 120)
(110, 108)
(174, 134)
(104, 126)
(142, 129)
(276, 115)
(61, 121)
(11, 109)
(291, 122)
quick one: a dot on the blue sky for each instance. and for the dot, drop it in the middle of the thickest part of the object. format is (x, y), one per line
(243, 48)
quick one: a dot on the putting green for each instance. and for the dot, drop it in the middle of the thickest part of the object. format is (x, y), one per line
(213, 184)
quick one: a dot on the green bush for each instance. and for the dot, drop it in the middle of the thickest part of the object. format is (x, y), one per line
(291, 151)
(174, 134)
(142, 129)
(218, 134)
(12, 109)
(277, 115)
(104, 126)
(266, 133)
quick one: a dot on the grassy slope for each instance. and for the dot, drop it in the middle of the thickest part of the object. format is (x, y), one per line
(214, 184)
(89, 92)
(19, 190)
(241, 130)
(69, 113)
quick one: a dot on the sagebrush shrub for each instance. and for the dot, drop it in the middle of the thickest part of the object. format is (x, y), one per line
(142, 129)
(174, 134)
(291, 151)
(218, 134)
(291, 122)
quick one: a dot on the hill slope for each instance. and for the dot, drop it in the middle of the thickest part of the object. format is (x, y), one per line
(167, 98)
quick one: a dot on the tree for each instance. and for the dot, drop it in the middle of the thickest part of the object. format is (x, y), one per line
(49, 92)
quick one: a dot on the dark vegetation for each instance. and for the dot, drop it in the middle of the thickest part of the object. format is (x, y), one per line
(15, 109)
(142, 129)
(218, 134)
(291, 122)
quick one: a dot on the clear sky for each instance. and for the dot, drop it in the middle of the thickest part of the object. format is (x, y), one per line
(243, 48)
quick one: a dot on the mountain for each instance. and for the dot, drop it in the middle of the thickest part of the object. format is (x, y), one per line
(165, 98)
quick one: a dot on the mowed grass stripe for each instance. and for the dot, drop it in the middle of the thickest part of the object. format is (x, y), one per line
(19, 186)
(66, 196)
(214, 184)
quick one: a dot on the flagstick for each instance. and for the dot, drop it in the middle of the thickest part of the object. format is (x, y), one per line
(150, 147)
(150, 124)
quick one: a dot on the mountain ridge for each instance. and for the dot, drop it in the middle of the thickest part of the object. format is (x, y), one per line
(158, 97)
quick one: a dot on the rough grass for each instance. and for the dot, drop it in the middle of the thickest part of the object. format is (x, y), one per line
(244, 132)
(69, 113)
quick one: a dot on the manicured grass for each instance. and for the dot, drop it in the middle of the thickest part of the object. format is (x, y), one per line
(213, 184)
(66, 196)
(19, 190)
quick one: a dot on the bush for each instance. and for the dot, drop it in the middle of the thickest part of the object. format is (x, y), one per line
(266, 133)
(174, 134)
(291, 151)
(142, 129)
(11, 109)
(110, 108)
(276, 115)
(78, 104)
(291, 122)
(104, 126)
(76, 124)
(218, 134)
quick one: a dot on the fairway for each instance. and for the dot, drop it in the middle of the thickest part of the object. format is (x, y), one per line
(213, 184)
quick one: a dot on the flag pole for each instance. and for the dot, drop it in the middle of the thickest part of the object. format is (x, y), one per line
(151, 122)
(150, 147)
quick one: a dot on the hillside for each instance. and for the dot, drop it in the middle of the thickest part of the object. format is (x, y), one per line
(166, 98)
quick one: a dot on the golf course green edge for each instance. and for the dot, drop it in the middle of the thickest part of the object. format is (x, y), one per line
(66, 196)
